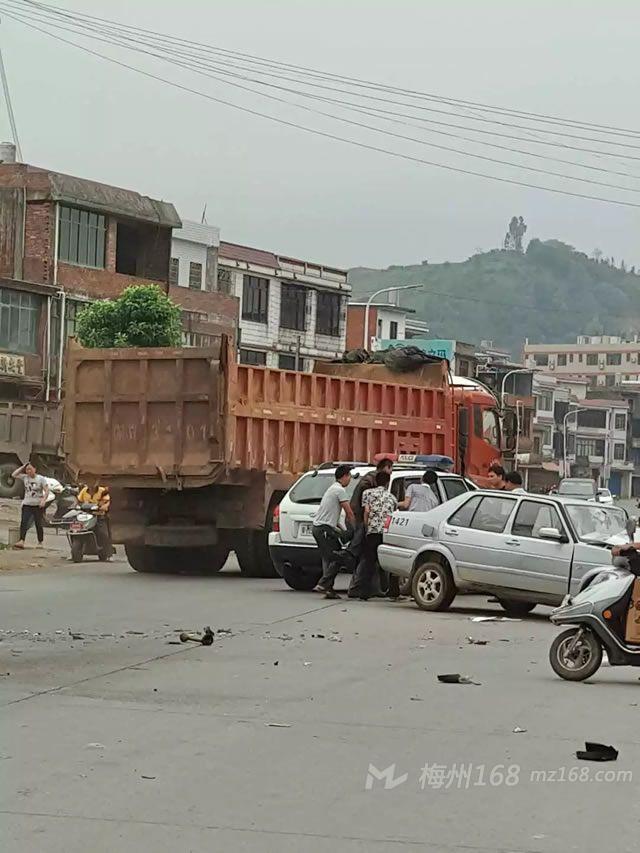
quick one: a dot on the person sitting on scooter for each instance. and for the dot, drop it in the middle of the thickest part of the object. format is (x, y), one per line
(100, 497)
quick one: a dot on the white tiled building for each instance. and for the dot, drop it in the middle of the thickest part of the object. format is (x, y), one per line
(291, 311)
(602, 360)
(194, 256)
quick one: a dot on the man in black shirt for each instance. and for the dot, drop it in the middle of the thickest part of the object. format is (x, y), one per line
(356, 546)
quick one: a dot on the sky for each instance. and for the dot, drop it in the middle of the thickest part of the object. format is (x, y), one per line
(278, 188)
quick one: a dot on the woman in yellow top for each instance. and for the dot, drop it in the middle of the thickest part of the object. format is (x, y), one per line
(99, 495)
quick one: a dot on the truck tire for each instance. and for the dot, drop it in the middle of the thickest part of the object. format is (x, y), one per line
(201, 561)
(252, 551)
(9, 488)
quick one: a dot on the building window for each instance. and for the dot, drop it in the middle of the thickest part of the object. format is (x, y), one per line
(287, 362)
(19, 314)
(562, 360)
(610, 379)
(628, 356)
(621, 422)
(393, 330)
(618, 452)
(592, 358)
(293, 302)
(328, 314)
(81, 237)
(614, 358)
(224, 280)
(589, 447)
(570, 358)
(255, 299)
(544, 402)
(174, 271)
(541, 359)
(379, 332)
(195, 275)
(580, 357)
(196, 339)
(463, 367)
(253, 357)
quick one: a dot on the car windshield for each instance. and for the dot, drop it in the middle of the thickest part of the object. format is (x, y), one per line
(596, 523)
(579, 488)
(310, 488)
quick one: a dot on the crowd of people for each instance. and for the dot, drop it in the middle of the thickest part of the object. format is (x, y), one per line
(366, 513)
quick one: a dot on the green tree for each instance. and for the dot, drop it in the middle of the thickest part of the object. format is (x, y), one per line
(142, 316)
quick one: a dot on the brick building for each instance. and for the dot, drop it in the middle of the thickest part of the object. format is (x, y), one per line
(65, 241)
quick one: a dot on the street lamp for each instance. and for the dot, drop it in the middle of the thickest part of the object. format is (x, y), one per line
(575, 412)
(504, 379)
(365, 342)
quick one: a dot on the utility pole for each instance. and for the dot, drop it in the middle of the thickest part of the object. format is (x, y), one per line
(7, 99)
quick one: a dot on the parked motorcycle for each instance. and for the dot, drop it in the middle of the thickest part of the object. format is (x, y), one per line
(81, 525)
(606, 616)
(60, 500)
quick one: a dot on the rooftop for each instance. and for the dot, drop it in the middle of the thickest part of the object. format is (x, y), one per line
(260, 257)
(43, 184)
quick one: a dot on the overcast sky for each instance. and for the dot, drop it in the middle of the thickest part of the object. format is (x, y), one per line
(281, 189)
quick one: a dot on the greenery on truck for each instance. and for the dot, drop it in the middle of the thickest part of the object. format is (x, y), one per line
(142, 316)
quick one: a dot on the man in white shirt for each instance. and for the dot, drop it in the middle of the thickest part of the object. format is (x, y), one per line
(325, 528)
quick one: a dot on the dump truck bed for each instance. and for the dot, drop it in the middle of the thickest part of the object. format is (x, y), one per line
(189, 417)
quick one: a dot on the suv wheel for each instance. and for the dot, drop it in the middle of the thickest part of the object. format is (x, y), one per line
(432, 586)
(301, 578)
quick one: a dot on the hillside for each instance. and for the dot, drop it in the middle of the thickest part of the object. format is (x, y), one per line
(549, 293)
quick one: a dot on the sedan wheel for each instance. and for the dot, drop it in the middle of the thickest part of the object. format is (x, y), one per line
(432, 586)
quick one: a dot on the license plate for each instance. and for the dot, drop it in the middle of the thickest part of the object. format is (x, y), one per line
(305, 530)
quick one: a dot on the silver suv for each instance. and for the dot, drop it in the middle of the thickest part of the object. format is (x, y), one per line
(525, 549)
(292, 547)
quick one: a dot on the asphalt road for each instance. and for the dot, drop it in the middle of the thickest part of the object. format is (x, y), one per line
(119, 740)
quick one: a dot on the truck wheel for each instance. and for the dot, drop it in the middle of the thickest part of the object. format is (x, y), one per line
(252, 551)
(207, 560)
(144, 558)
(433, 587)
(77, 550)
(516, 608)
(301, 578)
(10, 488)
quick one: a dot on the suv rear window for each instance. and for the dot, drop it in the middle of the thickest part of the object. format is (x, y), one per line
(310, 489)
(453, 488)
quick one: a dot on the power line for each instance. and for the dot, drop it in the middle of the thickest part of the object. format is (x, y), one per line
(324, 134)
(196, 66)
(122, 30)
(257, 60)
(375, 129)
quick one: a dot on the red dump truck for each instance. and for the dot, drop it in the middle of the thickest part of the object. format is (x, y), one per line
(198, 450)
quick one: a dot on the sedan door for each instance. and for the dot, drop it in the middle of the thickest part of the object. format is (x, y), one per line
(475, 536)
(543, 564)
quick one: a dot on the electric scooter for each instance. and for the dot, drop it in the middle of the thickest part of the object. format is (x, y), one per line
(601, 614)
(81, 525)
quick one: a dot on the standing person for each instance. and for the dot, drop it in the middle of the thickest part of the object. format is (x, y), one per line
(325, 529)
(356, 546)
(496, 476)
(36, 491)
(378, 503)
(513, 483)
(421, 497)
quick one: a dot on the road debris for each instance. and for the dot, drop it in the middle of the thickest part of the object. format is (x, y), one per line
(148, 777)
(415, 699)
(518, 731)
(493, 619)
(473, 642)
(597, 752)
(75, 636)
(284, 637)
(319, 636)
(278, 725)
(456, 678)
(95, 746)
(306, 663)
(206, 639)
(276, 662)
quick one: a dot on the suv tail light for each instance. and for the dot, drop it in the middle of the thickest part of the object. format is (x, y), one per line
(275, 523)
(387, 522)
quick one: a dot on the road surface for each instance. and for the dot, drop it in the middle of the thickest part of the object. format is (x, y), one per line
(113, 738)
